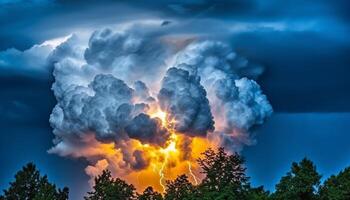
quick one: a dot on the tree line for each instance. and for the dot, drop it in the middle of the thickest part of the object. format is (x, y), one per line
(225, 179)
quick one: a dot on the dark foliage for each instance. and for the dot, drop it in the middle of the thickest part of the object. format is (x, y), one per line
(108, 188)
(300, 183)
(224, 175)
(180, 188)
(150, 194)
(30, 185)
(336, 187)
(225, 179)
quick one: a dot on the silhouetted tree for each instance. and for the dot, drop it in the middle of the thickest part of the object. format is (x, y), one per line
(222, 171)
(150, 194)
(30, 185)
(257, 194)
(63, 193)
(224, 179)
(300, 183)
(180, 188)
(336, 187)
(107, 188)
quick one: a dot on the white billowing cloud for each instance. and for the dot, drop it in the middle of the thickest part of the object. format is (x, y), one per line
(104, 107)
(237, 102)
(214, 59)
(55, 41)
(105, 87)
(130, 55)
(244, 104)
(31, 61)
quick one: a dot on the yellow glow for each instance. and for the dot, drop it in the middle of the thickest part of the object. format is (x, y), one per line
(161, 115)
(170, 149)
(165, 163)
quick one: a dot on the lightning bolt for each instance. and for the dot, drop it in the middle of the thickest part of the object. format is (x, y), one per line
(191, 173)
(161, 172)
(167, 151)
(171, 148)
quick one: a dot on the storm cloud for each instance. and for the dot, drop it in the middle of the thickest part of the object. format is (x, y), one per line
(237, 102)
(110, 86)
(185, 100)
(239, 50)
(147, 129)
(103, 107)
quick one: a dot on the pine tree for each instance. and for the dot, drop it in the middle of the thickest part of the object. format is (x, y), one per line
(180, 188)
(108, 188)
(257, 194)
(336, 187)
(150, 194)
(222, 171)
(30, 185)
(300, 183)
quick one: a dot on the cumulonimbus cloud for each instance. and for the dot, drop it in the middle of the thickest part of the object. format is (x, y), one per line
(107, 90)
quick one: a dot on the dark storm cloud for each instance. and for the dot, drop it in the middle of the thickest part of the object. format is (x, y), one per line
(147, 130)
(184, 98)
(31, 62)
(304, 46)
(17, 19)
(303, 39)
(140, 161)
(25, 23)
(106, 112)
(142, 92)
(33, 21)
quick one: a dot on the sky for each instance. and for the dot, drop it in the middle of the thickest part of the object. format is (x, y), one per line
(303, 46)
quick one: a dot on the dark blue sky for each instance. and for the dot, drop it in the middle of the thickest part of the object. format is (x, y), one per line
(304, 46)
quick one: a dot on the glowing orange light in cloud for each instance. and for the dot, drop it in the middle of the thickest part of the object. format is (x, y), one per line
(177, 157)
